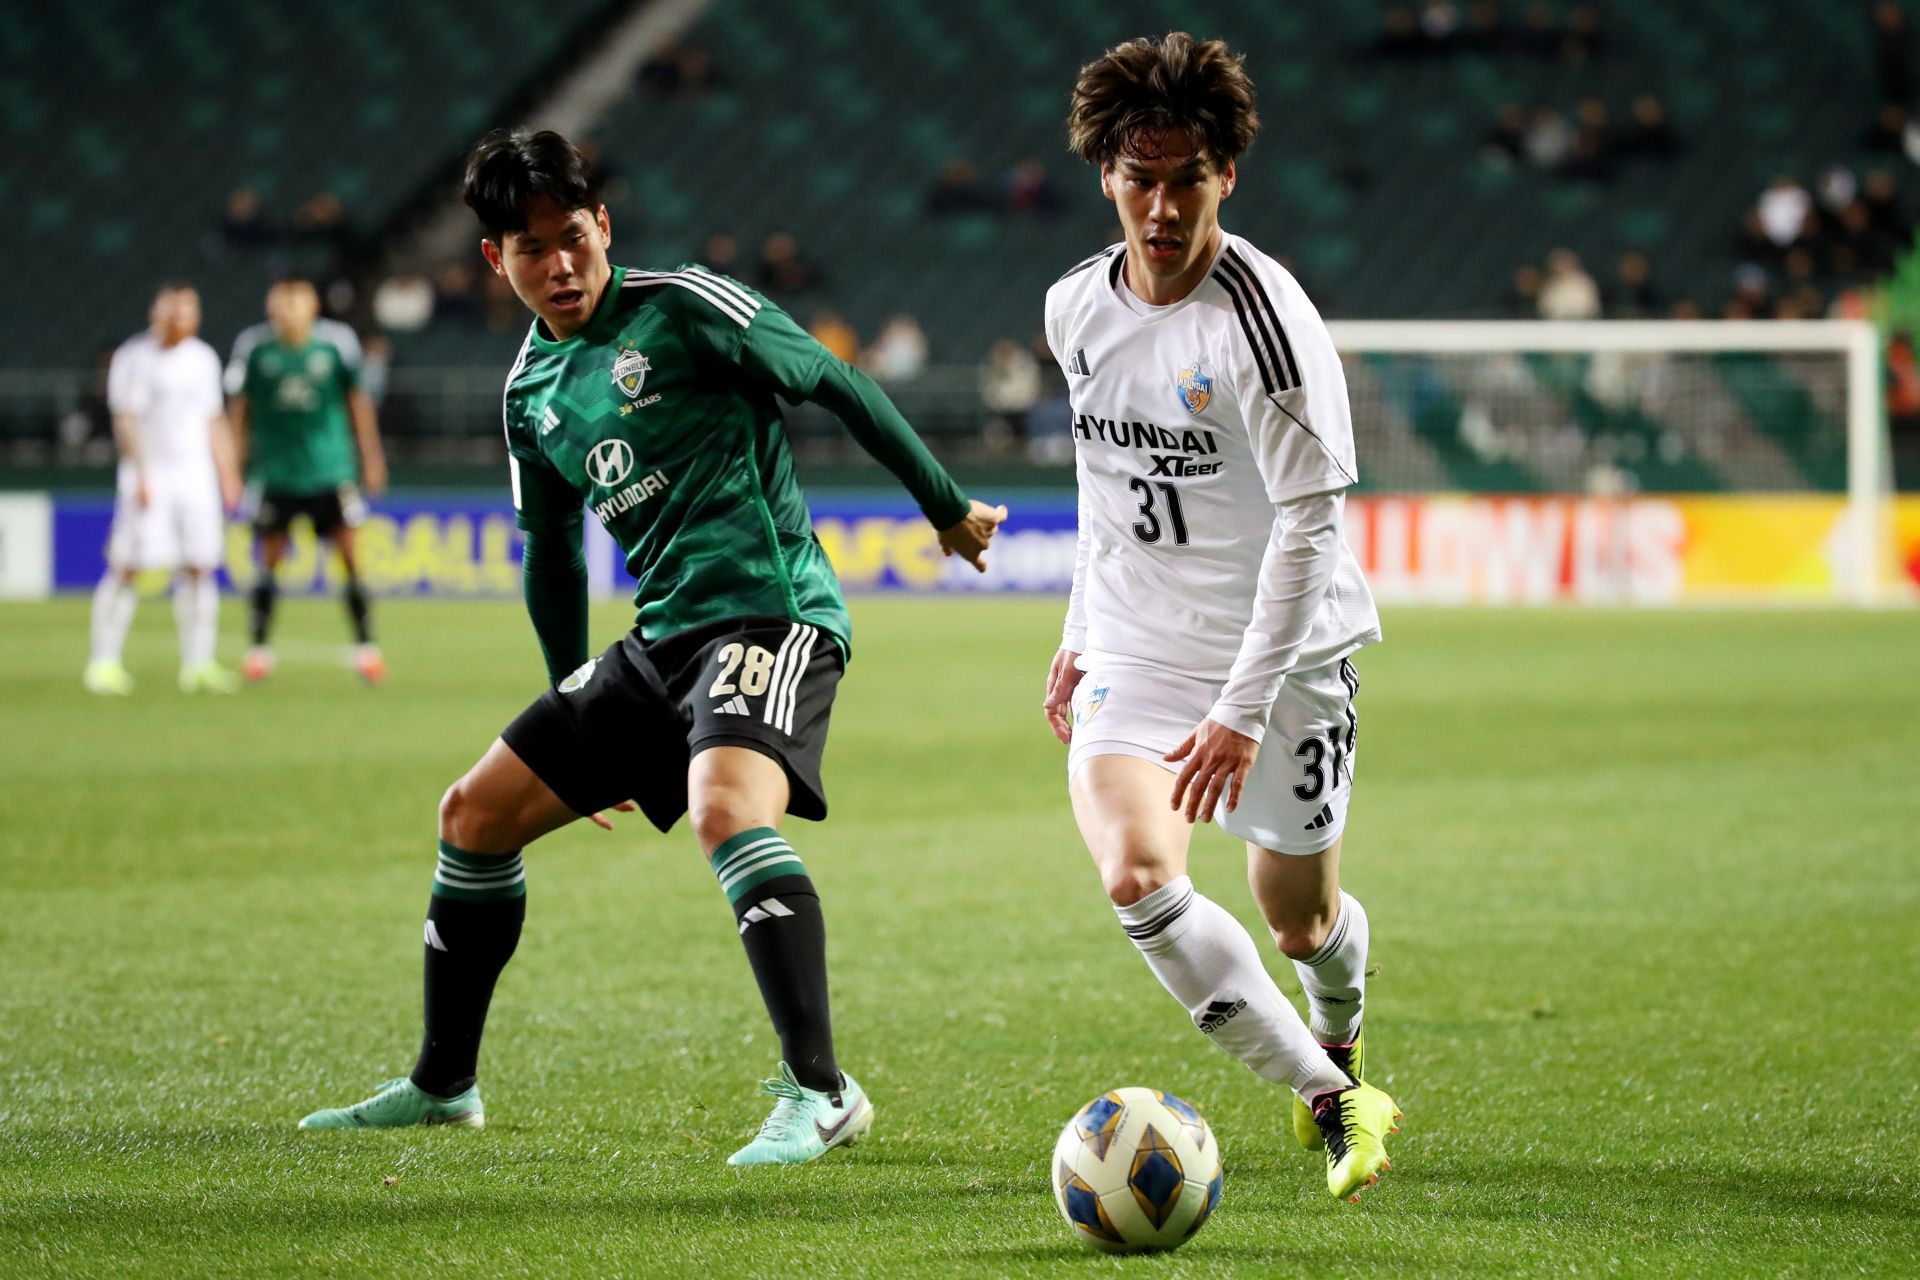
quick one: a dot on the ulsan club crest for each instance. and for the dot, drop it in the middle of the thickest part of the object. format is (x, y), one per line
(1196, 388)
(630, 372)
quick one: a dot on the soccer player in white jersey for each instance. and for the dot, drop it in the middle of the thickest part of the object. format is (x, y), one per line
(176, 473)
(1205, 669)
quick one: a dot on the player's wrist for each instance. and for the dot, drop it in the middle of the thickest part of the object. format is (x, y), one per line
(1245, 721)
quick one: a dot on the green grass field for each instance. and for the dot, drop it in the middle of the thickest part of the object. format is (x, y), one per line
(1642, 890)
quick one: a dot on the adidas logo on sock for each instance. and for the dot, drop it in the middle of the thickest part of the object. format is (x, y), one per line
(766, 909)
(1324, 818)
(1218, 1014)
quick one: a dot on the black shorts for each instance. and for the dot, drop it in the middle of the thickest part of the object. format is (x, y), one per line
(626, 725)
(331, 511)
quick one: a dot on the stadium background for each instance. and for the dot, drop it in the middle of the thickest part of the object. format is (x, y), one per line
(1642, 880)
(894, 175)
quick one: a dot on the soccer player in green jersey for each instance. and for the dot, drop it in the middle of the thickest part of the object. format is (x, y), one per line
(650, 396)
(307, 431)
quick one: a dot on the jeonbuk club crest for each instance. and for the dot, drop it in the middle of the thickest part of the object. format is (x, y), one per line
(1196, 388)
(630, 372)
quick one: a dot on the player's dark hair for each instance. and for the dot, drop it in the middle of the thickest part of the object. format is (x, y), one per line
(509, 168)
(1138, 90)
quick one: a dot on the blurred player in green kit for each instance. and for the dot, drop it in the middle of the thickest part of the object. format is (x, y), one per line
(306, 432)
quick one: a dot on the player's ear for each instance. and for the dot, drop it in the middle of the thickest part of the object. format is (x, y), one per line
(1227, 176)
(605, 224)
(491, 252)
(1106, 181)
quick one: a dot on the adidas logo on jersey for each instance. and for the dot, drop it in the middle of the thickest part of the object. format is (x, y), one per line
(1324, 818)
(1078, 364)
(1218, 1014)
(734, 706)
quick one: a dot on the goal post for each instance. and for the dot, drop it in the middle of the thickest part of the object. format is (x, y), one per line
(1761, 445)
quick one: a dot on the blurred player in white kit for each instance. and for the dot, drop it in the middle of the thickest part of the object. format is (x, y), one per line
(176, 477)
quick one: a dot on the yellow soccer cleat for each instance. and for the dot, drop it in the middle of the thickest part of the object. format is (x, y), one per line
(108, 677)
(1354, 1123)
(1350, 1058)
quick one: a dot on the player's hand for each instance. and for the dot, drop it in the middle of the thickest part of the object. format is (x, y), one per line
(229, 496)
(1217, 760)
(600, 819)
(374, 477)
(142, 495)
(1062, 679)
(970, 537)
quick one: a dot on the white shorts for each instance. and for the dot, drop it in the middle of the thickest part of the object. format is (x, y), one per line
(182, 523)
(1295, 799)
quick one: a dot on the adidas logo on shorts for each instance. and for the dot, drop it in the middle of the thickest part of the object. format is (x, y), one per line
(1218, 1014)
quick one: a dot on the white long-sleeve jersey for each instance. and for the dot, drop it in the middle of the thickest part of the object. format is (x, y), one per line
(1213, 442)
(173, 396)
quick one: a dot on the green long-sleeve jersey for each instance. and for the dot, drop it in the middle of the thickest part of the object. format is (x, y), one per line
(661, 416)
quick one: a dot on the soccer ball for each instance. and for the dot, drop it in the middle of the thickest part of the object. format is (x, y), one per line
(1136, 1169)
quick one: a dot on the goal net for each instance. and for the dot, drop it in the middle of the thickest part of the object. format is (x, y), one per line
(1621, 461)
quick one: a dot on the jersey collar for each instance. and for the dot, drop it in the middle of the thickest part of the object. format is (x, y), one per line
(591, 330)
(1157, 314)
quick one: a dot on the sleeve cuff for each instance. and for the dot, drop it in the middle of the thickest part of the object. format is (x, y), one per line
(1074, 639)
(1240, 720)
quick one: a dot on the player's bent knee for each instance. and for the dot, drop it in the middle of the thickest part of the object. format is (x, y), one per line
(1300, 937)
(1127, 882)
(720, 815)
(468, 822)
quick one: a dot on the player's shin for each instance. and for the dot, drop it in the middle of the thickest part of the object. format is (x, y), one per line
(114, 601)
(260, 602)
(781, 927)
(359, 611)
(196, 611)
(1335, 976)
(1203, 956)
(473, 925)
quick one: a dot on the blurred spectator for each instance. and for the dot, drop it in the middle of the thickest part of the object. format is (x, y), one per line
(1784, 208)
(244, 226)
(835, 334)
(1888, 132)
(678, 70)
(1009, 388)
(1523, 295)
(456, 294)
(957, 190)
(1584, 41)
(1507, 140)
(720, 252)
(1539, 35)
(1749, 300)
(1881, 194)
(1486, 28)
(1549, 139)
(1685, 309)
(899, 354)
(783, 270)
(322, 218)
(1569, 293)
(1399, 36)
(1651, 135)
(1633, 296)
(1837, 189)
(1893, 54)
(403, 303)
(376, 366)
(1439, 25)
(1030, 189)
(1592, 157)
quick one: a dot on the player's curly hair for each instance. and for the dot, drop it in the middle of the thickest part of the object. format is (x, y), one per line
(510, 167)
(1138, 90)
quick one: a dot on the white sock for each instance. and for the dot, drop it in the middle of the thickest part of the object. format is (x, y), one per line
(1335, 976)
(113, 605)
(196, 610)
(1207, 960)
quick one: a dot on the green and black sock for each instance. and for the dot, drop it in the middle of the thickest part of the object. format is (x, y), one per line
(786, 939)
(260, 613)
(473, 925)
(358, 610)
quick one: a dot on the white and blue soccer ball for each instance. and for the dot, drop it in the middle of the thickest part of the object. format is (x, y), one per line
(1136, 1169)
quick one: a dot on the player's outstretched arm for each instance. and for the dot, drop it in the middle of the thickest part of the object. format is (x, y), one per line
(366, 434)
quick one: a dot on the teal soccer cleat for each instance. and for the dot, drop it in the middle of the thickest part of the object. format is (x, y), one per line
(805, 1123)
(400, 1103)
